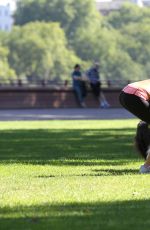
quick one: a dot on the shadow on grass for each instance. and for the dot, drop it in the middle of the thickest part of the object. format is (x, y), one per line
(103, 172)
(67, 147)
(86, 216)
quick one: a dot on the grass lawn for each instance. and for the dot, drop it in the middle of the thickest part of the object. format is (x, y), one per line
(72, 175)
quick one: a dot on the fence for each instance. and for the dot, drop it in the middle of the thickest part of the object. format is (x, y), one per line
(52, 94)
(45, 97)
(58, 84)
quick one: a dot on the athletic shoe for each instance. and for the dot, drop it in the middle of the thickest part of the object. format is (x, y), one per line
(83, 105)
(104, 105)
(144, 169)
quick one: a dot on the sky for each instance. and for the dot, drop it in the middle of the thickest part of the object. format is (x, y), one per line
(11, 2)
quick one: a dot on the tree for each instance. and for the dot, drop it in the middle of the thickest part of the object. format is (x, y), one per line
(6, 73)
(133, 24)
(43, 54)
(69, 13)
(119, 66)
(77, 18)
(120, 41)
(128, 13)
(137, 41)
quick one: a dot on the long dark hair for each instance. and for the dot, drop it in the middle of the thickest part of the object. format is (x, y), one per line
(142, 139)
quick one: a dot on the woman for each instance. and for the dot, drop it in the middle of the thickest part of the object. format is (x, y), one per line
(135, 97)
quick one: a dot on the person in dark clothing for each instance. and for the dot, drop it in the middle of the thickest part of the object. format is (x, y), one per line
(93, 75)
(79, 85)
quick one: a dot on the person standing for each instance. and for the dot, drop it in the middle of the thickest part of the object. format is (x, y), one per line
(79, 85)
(93, 75)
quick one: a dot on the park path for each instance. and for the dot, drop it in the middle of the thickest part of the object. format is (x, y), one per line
(64, 114)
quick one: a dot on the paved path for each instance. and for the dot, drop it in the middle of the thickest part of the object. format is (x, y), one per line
(63, 114)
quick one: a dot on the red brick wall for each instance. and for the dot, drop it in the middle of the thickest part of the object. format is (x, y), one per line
(50, 98)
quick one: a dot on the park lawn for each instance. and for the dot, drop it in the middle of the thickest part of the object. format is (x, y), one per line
(72, 175)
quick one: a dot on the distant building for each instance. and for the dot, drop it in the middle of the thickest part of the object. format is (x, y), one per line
(105, 6)
(146, 3)
(6, 20)
(138, 2)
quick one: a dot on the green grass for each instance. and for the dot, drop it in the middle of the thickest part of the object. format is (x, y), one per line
(71, 175)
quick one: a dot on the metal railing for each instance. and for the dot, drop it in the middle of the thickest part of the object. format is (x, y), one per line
(58, 84)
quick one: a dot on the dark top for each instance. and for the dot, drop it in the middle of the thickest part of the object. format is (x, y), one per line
(93, 75)
(76, 73)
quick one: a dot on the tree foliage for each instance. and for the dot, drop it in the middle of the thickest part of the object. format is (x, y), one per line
(69, 13)
(133, 24)
(40, 50)
(52, 35)
(6, 73)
